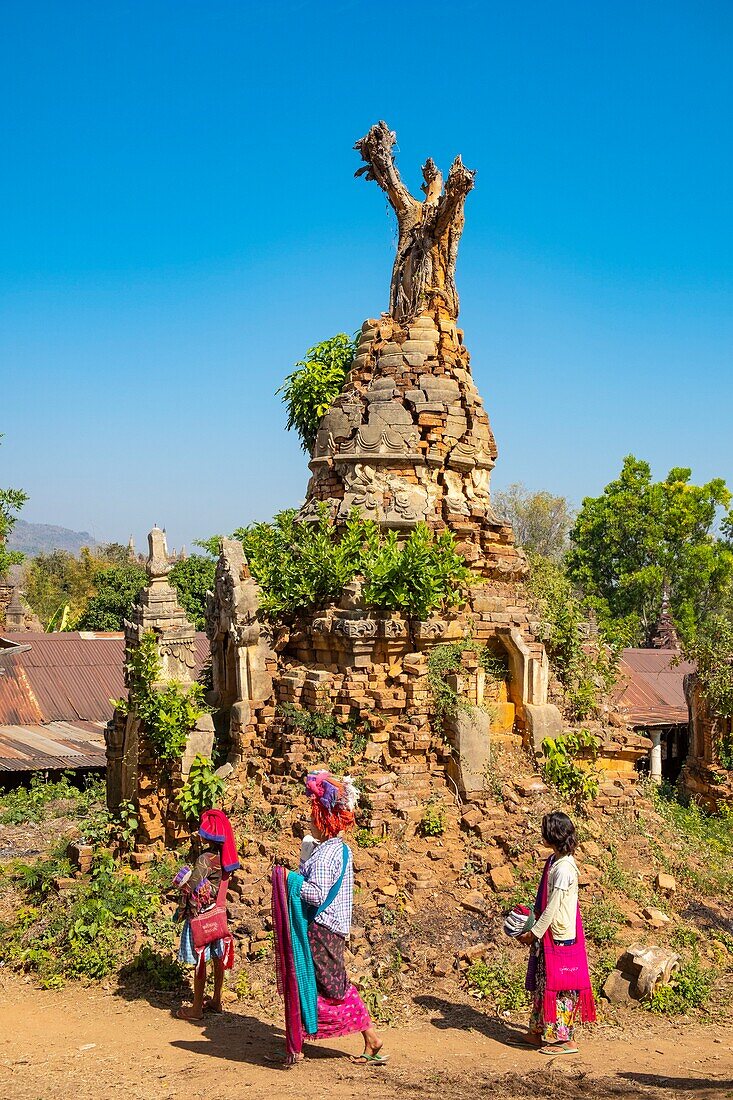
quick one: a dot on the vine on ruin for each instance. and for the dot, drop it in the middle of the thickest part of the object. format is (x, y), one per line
(168, 712)
(313, 387)
(446, 660)
(300, 566)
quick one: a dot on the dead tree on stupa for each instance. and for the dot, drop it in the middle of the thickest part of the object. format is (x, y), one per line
(429, 229)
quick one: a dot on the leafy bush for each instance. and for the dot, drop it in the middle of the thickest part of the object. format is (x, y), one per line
(169, 712)
(365, 838)
(299, 566)
(84, 931)
(432, 822)
(500, 982)
(575, 783)
(416, 575)
(313, 723)
(310, 390)
(157, 969)
(41, 797)
(688, 990)
(202, 790)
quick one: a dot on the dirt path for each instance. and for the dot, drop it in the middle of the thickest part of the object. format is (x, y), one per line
(88, 1045)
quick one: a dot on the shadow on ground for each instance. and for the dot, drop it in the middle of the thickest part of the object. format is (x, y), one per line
(459, 1017)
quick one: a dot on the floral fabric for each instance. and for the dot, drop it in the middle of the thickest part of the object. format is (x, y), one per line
(561, 1030)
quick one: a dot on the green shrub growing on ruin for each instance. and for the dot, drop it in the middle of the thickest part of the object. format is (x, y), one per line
(432, 822)
(365, 838)
(304, 565)
(168, 712)
(202, 790)
(446, 660)
(689, 989)
(560, 765)
(416, 575)
(313, 387)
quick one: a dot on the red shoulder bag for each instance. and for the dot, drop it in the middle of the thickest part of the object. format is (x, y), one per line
(212, 925)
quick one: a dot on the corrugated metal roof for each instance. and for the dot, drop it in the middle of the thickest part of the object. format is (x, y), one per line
(651, 687)
(62, 677)
(58, 745)
(50, 680)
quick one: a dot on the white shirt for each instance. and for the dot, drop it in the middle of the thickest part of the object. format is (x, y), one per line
(562, 900)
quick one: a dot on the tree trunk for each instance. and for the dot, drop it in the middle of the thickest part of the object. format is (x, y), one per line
(429, 230)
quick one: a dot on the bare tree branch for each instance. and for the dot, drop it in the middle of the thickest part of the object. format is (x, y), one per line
(376, 149)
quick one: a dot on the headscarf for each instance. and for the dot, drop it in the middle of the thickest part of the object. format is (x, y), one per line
(333, 801)
(216, 826)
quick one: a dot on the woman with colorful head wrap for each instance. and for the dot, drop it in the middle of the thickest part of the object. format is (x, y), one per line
(312, 920)
(199, 890)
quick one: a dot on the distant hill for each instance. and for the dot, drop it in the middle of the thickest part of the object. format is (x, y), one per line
(42, 538)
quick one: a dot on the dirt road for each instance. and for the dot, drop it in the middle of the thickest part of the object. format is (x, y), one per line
(84, 1044)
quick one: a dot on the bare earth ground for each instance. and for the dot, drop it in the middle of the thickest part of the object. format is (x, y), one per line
(86, 1044)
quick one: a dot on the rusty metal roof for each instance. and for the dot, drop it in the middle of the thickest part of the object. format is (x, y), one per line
(58, 745)
(50, 681)
(651, 687)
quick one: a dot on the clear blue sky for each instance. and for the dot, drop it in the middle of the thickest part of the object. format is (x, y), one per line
(180, 222)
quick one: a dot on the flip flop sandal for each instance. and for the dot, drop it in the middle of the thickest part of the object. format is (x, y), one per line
(188, 1019)
(370, 1059)
(209, 1005)
(555, 1051)
(524, 1041)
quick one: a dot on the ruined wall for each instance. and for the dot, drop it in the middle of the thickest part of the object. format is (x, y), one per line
(702, 776)
(135, 772)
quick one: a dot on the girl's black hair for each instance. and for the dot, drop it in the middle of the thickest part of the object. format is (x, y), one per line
(559, 831)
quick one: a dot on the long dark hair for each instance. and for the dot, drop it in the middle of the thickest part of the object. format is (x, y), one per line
(559, 832)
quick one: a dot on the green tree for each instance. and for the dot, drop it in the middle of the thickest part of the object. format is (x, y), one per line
(11, 501)
(60, 579)
(313, 387)
(640, 538)
(540, 520)
(115, 590)
(192, 578)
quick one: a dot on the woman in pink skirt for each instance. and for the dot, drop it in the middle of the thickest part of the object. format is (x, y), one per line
(312, 920)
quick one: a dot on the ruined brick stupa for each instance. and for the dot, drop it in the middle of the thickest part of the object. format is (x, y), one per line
(408, 440)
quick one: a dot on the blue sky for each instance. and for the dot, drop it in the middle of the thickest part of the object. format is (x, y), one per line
(180, 221)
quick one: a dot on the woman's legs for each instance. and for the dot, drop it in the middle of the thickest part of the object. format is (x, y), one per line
(196, 1011)
(373, 1041)
(215, 1001)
